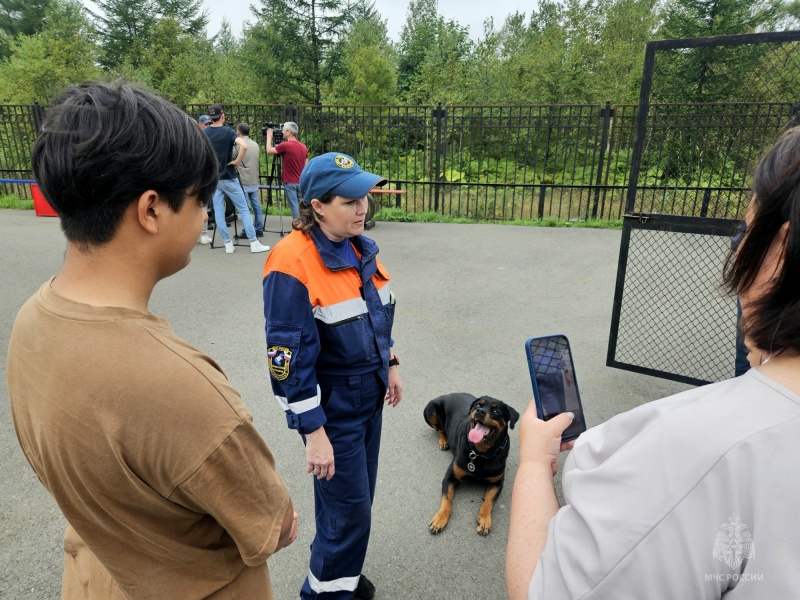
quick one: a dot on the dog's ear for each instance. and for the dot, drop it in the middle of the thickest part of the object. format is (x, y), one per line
(512, 415)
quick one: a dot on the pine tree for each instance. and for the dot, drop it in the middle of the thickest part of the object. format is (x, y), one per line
(126, 26)
(415, 38)
(711, 74)
(294, 45)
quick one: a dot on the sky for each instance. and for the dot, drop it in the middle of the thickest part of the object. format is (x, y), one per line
(470, 13)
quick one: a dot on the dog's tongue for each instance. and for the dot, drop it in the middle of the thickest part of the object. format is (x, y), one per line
(477, 432)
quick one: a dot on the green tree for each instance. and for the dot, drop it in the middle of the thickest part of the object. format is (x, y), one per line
(126, 27)
(534, 55)
(446, 73)
(415, 37)
(228, 76)
(174, 63)
(369, 73)
(294, 46)
(225, 42)
(434, 57)
(43, 64)
(628, 26)
(192, 19)
(20, 17)
(711, 74)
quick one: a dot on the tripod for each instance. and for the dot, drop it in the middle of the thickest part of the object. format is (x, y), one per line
(274, 180)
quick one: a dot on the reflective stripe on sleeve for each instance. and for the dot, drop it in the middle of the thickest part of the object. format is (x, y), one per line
(300, 406)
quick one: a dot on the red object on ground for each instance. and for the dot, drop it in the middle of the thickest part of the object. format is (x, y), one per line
(40, 205)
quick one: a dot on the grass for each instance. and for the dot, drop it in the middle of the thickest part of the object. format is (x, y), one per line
(397, 215)
(15, 203)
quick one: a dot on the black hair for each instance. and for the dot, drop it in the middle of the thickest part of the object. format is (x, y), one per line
(243, 128)
(774, 322)
(308, 216)
(103, 145)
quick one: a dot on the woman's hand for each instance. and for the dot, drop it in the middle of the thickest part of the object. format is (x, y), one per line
(394, 392)
(540, 441)
(319, 454)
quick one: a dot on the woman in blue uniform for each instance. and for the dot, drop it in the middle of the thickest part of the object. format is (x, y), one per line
(329, 311)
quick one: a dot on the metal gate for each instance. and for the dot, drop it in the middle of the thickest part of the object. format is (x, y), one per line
(709, 107)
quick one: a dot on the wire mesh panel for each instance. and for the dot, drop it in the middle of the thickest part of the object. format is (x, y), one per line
(674, 318)
(709, 107)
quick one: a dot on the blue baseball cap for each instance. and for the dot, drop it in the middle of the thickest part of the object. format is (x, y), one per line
(204, 119)
(338, 174)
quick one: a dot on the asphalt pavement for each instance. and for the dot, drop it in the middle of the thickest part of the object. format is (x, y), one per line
(468, 296)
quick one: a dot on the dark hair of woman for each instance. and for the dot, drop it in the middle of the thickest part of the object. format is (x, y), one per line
(774, 322)
(308, 216)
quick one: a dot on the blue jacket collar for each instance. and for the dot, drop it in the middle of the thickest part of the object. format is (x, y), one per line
(365, 246)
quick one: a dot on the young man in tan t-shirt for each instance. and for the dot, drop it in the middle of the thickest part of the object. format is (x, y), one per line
(168, 489)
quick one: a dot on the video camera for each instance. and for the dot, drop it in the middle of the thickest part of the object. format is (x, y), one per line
(277, 130)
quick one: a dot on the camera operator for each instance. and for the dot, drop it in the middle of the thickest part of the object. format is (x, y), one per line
(295, 156)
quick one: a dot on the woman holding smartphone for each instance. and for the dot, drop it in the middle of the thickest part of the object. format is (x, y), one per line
(693, 496)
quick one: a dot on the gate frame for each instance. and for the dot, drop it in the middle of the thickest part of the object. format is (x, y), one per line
(660, 222)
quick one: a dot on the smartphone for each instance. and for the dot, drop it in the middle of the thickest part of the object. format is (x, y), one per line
(555, 387)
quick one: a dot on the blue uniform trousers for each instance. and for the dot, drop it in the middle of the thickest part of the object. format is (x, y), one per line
(343, 506)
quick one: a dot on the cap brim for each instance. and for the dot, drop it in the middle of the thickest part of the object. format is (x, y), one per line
(358, 186)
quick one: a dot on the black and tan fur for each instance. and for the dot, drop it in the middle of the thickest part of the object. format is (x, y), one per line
(452, 416)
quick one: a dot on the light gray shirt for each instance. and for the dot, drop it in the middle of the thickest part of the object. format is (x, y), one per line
(249, 169)
(691, 497)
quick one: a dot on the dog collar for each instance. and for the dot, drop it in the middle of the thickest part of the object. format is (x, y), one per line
(474, 454)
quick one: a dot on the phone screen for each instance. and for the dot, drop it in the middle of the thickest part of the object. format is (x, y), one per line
(555, 388)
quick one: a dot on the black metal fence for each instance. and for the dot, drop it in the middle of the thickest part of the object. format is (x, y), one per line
(503, 163)
(482, 162)
(19, 125)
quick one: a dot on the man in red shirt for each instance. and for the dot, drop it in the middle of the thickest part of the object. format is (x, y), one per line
(295, 156)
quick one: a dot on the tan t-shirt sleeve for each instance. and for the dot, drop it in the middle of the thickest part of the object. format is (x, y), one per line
(239, 486)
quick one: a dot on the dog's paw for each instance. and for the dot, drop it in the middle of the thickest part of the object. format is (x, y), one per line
(438, 523)
(484, 526)
(443, 445)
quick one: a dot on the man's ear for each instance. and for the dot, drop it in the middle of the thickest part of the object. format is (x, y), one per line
(149, 207)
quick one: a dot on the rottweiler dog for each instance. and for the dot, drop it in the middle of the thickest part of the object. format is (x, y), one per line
(476, 430)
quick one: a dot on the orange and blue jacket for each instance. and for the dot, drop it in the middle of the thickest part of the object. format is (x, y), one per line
(324, 319)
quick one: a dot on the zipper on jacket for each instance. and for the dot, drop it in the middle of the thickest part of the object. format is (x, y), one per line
(350, 320)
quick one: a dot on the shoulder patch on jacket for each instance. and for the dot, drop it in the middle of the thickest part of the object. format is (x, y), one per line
(280, 359)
